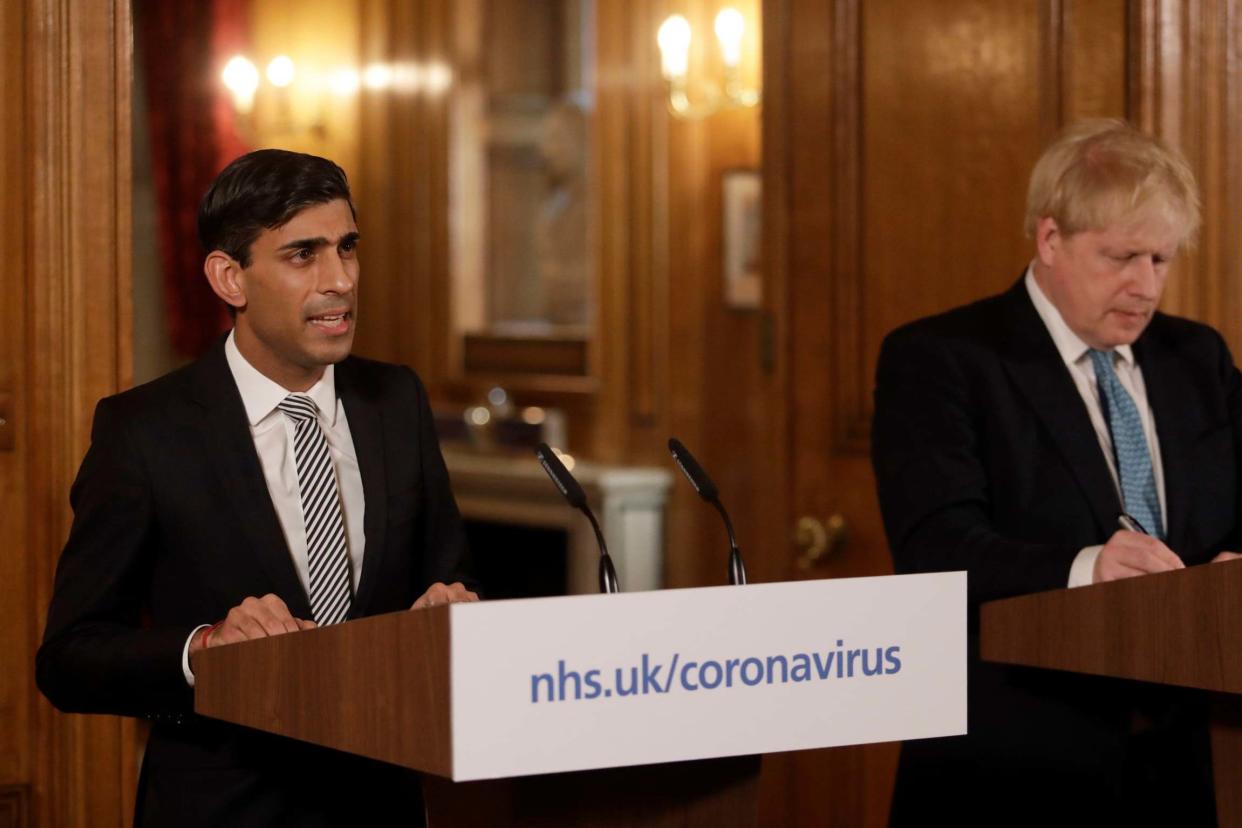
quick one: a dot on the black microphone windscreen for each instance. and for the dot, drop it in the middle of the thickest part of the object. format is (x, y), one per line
(693, 471)
(560, 475)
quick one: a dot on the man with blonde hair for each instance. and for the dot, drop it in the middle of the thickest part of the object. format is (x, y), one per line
(1061, 434)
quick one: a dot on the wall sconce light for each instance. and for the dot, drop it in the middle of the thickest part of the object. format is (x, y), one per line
(242, 80)
(674, 38)
(303, 96)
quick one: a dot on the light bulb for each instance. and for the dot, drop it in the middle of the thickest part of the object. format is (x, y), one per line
(730, 25)
(377, 76)
(674, 41)
(437, 77)
(344, 81)
(280, 71)
(407, 77)
(242, 79)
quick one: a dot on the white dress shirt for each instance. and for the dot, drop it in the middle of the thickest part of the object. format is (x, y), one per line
(272, 432)
(1074, 352)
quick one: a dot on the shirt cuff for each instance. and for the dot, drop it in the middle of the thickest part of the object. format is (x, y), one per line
(1082, 570)
(185, 655)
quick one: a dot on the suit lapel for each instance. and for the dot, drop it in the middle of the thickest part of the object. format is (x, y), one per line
(237, 463)
(1167, 390)
(1036, 368)
(366, 429)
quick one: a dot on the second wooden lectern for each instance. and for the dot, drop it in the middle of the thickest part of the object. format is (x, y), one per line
(1181, 628)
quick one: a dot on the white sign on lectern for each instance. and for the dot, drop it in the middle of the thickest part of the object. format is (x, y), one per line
(558, 684)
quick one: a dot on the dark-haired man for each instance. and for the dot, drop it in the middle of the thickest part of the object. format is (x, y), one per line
(274, 485)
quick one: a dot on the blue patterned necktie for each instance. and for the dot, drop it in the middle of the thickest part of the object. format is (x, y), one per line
(1138, 480)
(327, 555)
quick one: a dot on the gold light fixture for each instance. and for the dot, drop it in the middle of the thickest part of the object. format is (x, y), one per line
(674, 38)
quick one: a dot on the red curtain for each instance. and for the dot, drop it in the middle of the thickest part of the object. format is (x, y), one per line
(184, 47)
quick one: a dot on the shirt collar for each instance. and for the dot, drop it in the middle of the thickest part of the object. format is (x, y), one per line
(260, 394)
(1069, 345)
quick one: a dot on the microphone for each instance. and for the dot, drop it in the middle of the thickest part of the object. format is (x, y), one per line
(707, 490)
(573, 494)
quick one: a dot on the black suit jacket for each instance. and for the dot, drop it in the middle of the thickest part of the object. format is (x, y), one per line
(173, 525)
(986, 461)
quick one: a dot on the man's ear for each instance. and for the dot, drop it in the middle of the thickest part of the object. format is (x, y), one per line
(1048, 239)
(226, 278)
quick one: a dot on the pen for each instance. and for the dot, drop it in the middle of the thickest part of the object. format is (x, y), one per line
(1129, 523)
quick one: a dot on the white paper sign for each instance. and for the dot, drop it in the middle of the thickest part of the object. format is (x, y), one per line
(591, 681)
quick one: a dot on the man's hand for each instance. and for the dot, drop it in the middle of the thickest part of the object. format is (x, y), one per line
(252, 618)
(1226, 556)
(1132, 553)
(439, 593)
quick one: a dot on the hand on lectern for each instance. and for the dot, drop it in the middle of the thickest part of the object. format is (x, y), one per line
(438, 593)
(1226, 556)
(252, 618)
(1133, 553)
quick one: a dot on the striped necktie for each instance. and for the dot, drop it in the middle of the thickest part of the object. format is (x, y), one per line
(1138, 479)
(327, 555)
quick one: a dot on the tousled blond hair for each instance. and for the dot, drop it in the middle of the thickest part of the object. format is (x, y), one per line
(1103, 171)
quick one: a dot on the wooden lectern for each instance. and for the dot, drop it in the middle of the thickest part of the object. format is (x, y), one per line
(1180, 628)
(644, 708)
(396, 708)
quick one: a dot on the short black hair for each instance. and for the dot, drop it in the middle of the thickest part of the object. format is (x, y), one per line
(263, 190)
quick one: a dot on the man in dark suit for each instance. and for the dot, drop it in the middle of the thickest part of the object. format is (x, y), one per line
(1011, 434)
(274, 485)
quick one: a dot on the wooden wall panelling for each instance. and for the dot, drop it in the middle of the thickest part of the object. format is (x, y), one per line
(14, 806)
(1078, 39)
(631, 159)
(381, 197)
(1214, 148)
(736, 385)
(402, 192)
(646, 336)
(845, 340)
(621, 93)
(685, 397)
(1093, 35)
(782, 55)
(468, 213)
(1222, 179)
(432, 283)
(1159, 66)
(77, 347)
(1185, 89)
(17, 611)
(771, 482)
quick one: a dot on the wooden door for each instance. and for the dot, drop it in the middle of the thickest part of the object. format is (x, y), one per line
(66, 241)
(898, 138)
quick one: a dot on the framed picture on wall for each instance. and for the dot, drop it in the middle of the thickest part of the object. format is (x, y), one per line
(742, 212)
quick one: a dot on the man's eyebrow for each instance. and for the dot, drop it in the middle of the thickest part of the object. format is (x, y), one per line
(318, 241)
